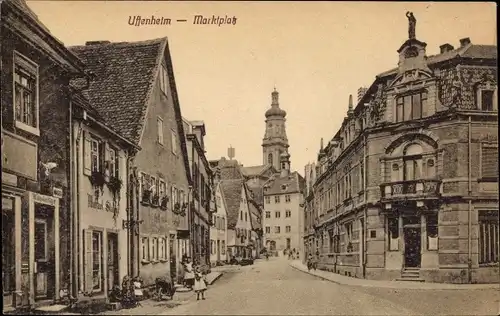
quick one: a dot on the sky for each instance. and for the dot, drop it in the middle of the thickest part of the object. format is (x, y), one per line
(314, 53)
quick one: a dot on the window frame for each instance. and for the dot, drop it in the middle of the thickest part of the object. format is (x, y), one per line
(145, 250)
(174, 142)
(29, 68)
(288, 229)
(100, 262)
(432, 246)
(159, 130)
(488, 251)
(400, 103)
(288, 214)
(163, 74)
(484, 145)
(268, 199)
(486, 86)
(95, 153)
(277, 214)
(277, 229)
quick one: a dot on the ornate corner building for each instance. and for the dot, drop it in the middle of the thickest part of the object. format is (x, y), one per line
(408, 187)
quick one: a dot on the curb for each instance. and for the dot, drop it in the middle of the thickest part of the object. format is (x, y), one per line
(216, 278)
(389, 286)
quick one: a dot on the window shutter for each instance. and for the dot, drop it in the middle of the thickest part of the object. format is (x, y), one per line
(490, 162)
(88, 260)
(87, 154)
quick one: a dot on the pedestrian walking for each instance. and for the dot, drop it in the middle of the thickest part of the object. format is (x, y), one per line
(200, 284)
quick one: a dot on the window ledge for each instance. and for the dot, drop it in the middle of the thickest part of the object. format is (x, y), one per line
(155, 261)
(30, 129)
(143, 261)
(163, 260)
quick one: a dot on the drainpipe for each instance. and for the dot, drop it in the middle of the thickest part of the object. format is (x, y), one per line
(469, 237)
(70, 287)
(76, 214)
(130, 203)
(365, 224)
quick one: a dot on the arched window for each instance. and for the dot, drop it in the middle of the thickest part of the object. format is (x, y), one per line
(412, 162)
(270, 159)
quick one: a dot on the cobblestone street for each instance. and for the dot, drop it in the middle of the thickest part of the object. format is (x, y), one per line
(276, 288)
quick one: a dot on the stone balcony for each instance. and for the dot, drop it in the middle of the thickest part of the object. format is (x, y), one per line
(411, 189)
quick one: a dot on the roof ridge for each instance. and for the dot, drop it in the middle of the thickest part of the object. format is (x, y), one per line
(147, 42)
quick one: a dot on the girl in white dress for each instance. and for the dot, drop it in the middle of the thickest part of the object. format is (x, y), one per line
(200, 285)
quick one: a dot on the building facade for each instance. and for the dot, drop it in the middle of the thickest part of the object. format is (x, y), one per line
(36, 115)
(142, 106)
(100, 184)
(283, 202)
(256, 240)
(218, 231)
(202, 192)
(309, 215)
(407, 188)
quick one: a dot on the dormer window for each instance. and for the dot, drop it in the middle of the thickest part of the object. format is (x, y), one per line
(486, 99)
(410, 107)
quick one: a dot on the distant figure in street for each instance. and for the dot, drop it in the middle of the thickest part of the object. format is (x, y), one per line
(188, 273)
(309, 262)
(200, 284)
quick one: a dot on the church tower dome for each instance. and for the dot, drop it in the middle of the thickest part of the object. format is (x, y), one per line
(275, 142)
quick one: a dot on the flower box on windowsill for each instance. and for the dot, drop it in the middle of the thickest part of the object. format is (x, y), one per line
(144, 261)
(155, 201)
(155, 261)
(146, 198)
(163, 260)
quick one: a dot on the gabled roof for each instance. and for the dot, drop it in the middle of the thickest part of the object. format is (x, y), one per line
(223, 198)
(468, 51)
(124, 76)
(254, 171)
(229, 169)
(31, 26)
(231, 192)
(293, 183)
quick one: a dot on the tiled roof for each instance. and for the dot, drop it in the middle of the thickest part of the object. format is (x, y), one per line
(468, 51)
(293, 183)
(231, 190)
(124, 76)
(254, 170)
(230, 169)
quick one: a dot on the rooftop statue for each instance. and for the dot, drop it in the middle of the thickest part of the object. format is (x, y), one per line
(412, 22)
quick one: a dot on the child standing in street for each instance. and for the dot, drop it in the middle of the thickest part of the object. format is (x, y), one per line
(200, 285)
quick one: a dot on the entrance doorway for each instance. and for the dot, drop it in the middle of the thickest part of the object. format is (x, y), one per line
(412, 241)
(113, 271)
(173, 257)
(44, 265)
(8, 253)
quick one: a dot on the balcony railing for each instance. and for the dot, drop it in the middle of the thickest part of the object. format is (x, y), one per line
(426, 187)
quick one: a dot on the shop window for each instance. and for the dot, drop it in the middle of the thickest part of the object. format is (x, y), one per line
(432, 232)
(393, 231)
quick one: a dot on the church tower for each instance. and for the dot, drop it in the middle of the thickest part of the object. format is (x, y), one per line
(275, 141)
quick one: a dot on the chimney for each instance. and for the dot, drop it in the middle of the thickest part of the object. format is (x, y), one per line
(446, 48)
(464, 41)
(361, 93)
(89, 43)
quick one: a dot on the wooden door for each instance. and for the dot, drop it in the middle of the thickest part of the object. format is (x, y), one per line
(42, 262)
